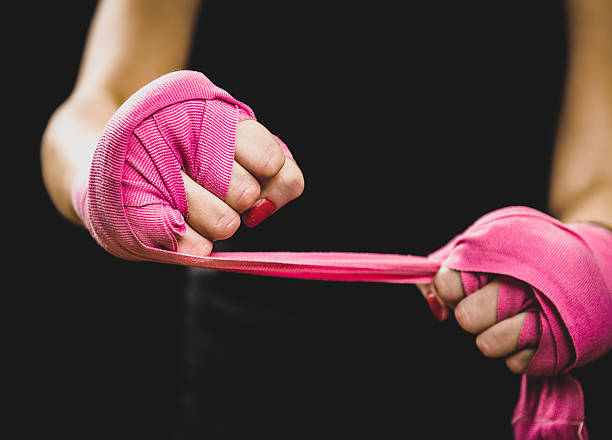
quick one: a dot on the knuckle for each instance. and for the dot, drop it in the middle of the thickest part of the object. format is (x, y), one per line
(448, 285)
(194, 246)
(272, 159)
(292, 181)
(225, 225)
(486, 345)
(204, 247)
(515, 365)
(464, 317)
(246, 194)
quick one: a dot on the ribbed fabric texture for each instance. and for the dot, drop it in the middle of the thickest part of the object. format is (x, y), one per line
(562, 275)
(135, 196)
(134, 204)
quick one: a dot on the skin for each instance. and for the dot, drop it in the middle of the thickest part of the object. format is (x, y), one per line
(132, 42)
(581, 182)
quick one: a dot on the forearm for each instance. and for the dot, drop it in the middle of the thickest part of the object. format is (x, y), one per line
(68, 144)
(581, 184)
(129, 43)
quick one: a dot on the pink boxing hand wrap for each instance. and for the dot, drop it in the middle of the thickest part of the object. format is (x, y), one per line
(134, 205)
(562, 276)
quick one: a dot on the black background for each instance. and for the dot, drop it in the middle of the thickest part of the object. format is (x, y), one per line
(464, 95)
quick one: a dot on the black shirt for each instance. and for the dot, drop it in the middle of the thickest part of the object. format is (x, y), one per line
(409, 122)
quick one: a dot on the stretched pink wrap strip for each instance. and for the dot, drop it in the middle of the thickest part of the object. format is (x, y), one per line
(134, 205)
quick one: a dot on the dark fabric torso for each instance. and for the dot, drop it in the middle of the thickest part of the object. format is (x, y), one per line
(408, 123)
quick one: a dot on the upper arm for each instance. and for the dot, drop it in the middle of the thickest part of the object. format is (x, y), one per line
(131, 42)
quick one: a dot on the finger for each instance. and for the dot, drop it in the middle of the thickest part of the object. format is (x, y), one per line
(501, 339)
(208, 215)
(192, 243)
(518, 362)
(286, 185)
(435, 304)
(449, 287)
(478, 311)
(243, 190)
(257, 150)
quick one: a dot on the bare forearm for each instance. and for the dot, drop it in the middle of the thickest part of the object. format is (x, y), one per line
(581, 185)
(68, 144)
(130, 42)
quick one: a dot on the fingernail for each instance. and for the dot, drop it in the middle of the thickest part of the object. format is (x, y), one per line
(258, 212)
(438, 310)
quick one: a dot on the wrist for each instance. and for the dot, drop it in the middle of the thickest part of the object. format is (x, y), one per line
(599, 224)
(58, 172)
(593, 206)
(67, 147)
(599, 239)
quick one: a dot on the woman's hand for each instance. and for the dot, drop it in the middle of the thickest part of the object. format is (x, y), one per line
(176, 167)
(263, 180)
(477, 313)
(534, 290)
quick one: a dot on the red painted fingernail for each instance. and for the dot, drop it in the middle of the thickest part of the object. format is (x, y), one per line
(258, 212)
(438, 310)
